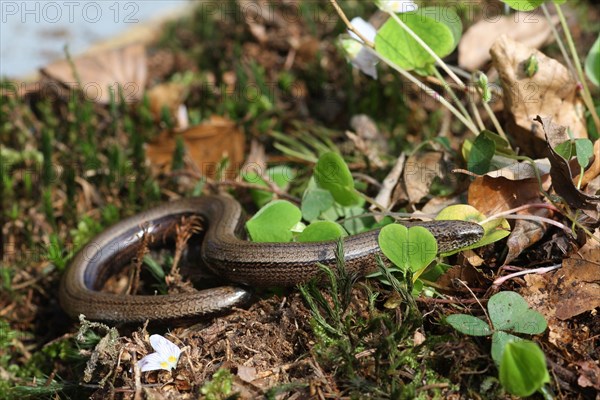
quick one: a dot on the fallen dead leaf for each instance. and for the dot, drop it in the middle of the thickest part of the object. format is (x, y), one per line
(540, 294)
(474, 46)
(591, 249)
(206, 145)
(578, 287)
(493, 195)
(517, 171)
(102, 71)
(468, 274)
(589, 374)
(438, 203)
(525, 233)
(247, 374)
(387, 194)
(419, 173)
(550, 92)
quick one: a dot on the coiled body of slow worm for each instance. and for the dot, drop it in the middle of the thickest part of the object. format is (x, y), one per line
(237, 260)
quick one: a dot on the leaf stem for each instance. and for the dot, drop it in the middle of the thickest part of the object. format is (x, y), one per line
(587, 98)
(559, 40)
(429, 91)
(452, 94)
(540, 271)
(495, 121)
(478, 302)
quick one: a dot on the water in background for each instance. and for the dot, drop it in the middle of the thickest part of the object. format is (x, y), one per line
(34, 33)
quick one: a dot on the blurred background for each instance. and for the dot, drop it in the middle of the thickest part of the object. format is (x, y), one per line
(34, 33)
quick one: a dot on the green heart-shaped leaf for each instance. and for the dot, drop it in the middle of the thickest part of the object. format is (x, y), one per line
(499, 341)
(413, 248)
(281, 175)
(320, 231)
(469, 325)
(510, 312)
(314, 202)
(440, 28)
(274, 222)
(592, 63)
(332, 174)
(523, 368)
(523, 5)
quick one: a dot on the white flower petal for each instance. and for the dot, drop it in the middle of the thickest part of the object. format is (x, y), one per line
(365, 29)
(366, 62)
(151, 362)
(164, 347)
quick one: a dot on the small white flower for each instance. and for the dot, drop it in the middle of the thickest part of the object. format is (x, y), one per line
(165, 357)
(365, 28)
(397, 6)
(360, 57)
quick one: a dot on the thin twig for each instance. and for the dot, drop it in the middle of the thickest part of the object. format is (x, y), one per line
(351, 27)
(478, 302)
(429, 91)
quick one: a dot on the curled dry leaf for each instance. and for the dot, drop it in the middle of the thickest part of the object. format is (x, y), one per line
(530, 28)
(550, 92)
(206, 145)
(517, 171)
(106, 70)
(591, 249)
(524, 234)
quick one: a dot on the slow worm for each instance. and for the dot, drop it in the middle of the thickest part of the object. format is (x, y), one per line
(225, 253)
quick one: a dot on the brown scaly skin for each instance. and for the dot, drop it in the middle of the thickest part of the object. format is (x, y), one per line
(238, 261)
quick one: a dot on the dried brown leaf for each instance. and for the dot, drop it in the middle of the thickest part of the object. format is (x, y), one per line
(578, 288)
(542, 293)
(493, 195)
(206, 144)
(123, 67)
(170, 96)
(550, 92)
(524, 234)
(530, 28)
(419, 172)
(589, 374)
